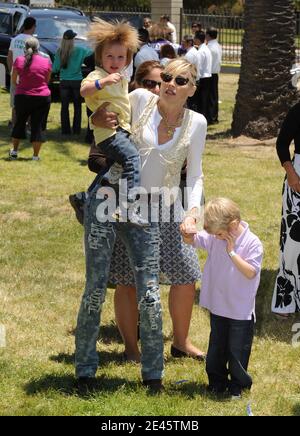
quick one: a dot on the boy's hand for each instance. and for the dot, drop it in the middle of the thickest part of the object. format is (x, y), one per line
(188, 230)
(111, 79)
(230, 242)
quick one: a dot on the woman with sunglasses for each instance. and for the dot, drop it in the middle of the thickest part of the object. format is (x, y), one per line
(147, 76)
(166, 134)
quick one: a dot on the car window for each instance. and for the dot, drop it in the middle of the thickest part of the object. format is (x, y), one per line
(5, 23)
(55, 28)
(16, 21)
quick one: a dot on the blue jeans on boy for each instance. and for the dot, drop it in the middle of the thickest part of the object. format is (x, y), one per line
(119, 148)
(143, 248)
(229, 352)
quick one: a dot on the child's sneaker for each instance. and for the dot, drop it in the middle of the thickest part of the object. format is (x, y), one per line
(77, 202)
(13, 155)
(36, 158)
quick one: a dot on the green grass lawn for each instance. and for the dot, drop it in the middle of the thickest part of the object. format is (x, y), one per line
(42, 279)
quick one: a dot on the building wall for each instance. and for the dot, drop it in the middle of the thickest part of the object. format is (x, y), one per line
(169, 7)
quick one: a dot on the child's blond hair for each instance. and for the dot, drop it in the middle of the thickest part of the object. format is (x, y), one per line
(219, 213)
(103, 32)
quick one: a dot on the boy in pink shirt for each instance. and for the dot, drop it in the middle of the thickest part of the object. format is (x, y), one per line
(230, 281)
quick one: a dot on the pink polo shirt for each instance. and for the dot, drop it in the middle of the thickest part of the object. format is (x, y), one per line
(225, 291)
(33, 80)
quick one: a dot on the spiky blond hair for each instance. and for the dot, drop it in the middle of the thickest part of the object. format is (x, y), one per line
(102, 33)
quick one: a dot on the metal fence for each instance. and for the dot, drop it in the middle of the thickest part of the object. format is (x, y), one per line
(230, 27)
(231, 32)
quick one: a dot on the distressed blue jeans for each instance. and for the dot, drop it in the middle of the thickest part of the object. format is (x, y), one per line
(143, 249)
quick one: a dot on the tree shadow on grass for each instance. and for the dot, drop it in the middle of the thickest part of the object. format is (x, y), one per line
(108, 334)
(296, 410)
(191, 390)
(225, 134)
(66, 385)
(105, 358)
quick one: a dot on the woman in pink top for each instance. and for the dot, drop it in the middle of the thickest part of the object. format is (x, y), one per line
(31, 74)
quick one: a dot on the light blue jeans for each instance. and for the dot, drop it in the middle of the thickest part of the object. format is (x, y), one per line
(143, 249)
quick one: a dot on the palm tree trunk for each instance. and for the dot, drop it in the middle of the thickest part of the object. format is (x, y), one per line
(265, 92)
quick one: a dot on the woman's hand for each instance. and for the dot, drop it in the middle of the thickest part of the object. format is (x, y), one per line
(104, 119)
(293, 181)
(292, 177)
(188, 229)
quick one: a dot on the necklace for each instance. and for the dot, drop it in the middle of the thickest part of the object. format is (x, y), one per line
(171, 127)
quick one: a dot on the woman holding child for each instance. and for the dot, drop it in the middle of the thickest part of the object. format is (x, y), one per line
(165, 134)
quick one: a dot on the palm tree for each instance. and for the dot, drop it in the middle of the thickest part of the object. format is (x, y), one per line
(265, 92)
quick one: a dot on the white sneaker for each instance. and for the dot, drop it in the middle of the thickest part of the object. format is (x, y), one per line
(36, 158)
(13, 155)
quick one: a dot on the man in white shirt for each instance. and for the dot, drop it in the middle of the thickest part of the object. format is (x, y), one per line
(199, 101)
(165, 19)
(191, 52)
(204, 76)
(16, 49)
(216, 52)
(146, 53)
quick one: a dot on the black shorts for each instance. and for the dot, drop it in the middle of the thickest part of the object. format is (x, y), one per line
(35, 107)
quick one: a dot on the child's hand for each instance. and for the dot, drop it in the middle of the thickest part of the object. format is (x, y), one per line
(111, 79)
(188, 230)
(230, 242)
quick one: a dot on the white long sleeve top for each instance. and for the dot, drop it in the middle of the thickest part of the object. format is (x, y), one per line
(154, 164)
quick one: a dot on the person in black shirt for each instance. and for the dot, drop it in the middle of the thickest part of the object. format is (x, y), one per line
(286, 297)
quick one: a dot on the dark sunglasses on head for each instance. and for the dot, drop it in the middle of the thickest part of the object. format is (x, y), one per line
(150, 84)
(180, 81)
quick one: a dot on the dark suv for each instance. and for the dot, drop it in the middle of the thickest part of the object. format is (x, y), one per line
(51, 24)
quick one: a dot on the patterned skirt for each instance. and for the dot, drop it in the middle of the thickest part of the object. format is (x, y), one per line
(286, 297)
(179, 264)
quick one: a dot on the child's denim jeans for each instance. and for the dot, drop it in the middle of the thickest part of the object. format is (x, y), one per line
(228, 354)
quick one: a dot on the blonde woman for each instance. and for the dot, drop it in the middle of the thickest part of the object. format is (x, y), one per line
(115, 44)
(166, 134)
(68, 61)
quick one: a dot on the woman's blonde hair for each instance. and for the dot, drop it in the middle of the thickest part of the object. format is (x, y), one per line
(219, 213)
(102, 33)
(65, 50)
(32, 46)
(182, 66)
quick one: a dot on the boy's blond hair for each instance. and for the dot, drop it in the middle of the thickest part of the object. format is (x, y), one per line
(103, 32)
(219, 213)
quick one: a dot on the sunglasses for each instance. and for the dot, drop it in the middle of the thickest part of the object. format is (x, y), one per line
(150, 84)
(180, 81)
